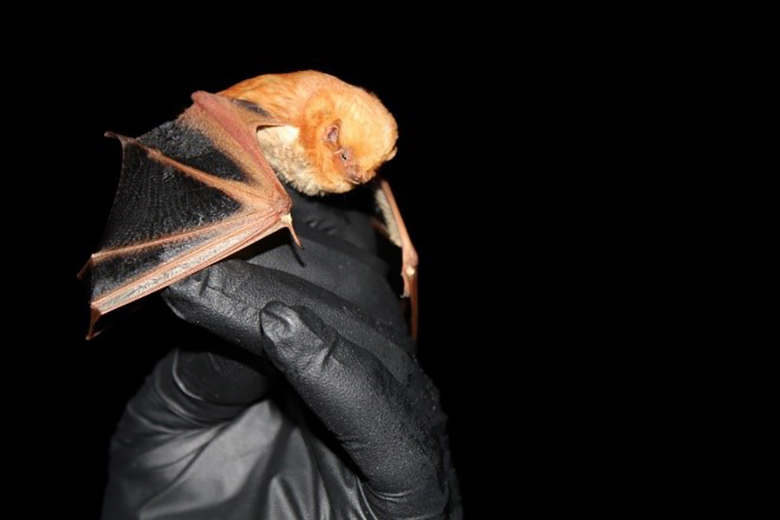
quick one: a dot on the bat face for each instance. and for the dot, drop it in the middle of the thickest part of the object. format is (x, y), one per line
(335, 136)
(348, 137)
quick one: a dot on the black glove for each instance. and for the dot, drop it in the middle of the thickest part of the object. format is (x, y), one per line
(326, 414)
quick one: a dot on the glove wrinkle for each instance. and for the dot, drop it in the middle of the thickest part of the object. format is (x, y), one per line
(223, 376)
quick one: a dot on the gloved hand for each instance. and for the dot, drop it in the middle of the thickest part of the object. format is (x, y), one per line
(323, 413)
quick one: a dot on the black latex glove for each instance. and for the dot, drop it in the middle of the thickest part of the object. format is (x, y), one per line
(329, 415)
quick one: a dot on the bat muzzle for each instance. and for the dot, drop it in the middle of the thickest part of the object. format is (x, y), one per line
(356, 177)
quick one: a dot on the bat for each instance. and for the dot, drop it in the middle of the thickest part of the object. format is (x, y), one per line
(196, 190)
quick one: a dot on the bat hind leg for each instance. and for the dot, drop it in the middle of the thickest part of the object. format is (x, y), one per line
(395, 230)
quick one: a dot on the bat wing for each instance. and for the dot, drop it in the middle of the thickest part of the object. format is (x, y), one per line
(192, 191)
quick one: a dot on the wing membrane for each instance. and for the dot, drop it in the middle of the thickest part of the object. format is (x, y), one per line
(192, 192)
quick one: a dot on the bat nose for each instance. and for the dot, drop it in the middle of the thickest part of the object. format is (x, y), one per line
(356, 177)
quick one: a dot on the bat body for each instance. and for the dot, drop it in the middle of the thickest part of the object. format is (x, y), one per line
(196, 190)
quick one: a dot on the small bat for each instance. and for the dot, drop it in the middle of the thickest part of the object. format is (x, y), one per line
(198, 189)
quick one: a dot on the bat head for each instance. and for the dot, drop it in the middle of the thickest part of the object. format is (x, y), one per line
(335, 135)
(347, 134)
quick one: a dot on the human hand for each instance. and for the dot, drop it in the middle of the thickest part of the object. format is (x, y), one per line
(345, 420)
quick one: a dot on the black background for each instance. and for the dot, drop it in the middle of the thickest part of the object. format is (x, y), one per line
(590, 207)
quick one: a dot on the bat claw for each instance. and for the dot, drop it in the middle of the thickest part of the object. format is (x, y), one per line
(288, 222)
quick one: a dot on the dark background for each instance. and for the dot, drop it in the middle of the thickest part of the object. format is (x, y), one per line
(590, 207)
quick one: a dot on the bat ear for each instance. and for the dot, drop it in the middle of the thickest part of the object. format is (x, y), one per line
(331, 135)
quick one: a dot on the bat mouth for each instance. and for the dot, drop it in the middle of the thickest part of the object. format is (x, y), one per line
(357, 178)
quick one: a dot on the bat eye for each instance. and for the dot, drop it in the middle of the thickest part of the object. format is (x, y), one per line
(345, 155)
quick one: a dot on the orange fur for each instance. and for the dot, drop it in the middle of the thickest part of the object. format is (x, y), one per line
(313, 103)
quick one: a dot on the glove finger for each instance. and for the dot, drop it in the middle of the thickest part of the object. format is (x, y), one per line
(367, 409)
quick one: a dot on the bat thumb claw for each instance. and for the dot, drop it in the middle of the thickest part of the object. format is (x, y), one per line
(288, 223)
